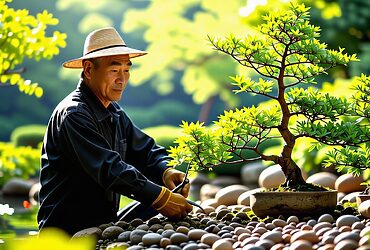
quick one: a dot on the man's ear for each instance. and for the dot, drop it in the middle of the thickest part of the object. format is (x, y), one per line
(87, 67)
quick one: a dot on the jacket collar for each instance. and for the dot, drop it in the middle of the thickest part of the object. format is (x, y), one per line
(94, 103)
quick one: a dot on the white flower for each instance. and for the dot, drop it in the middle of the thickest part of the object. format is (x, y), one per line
(5, 209)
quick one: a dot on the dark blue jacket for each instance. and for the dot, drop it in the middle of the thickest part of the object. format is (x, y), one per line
(91, 155)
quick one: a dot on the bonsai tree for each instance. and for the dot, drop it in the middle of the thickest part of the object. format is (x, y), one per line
(287, 54)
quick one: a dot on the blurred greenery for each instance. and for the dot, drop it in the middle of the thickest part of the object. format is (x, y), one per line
(28, 135)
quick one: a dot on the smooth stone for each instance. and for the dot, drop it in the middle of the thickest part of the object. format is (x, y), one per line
(222, 244)
(271, 177)
(191, 246)
(351, 197)
(173, 247)
(182, 229)
(196, 234)
(252, 247)
(168, 233)
(135, 248)
(301, 245)
(229, 195)
(136, 236)
(209, 238)
(340, 196)
(144, 227)
(364, 209)
(321, 225)
(164, 242)
(244, 198)
(167, 226)
(346, 220)
(210, 202)
(125, 236)
(178, 238)
(292, 219)
(326, 218)
(111, 232)
(325, 179)
(151, 238)
(265, 243)
(274, 236)
(348, 183)
(92, 231)
(346, 245)
(358, 225)
(136, 222)
(279, 223)
(346, 236)
(305, 235)
(208, 191)
(365, 231)
(251, 172)
(364, 241)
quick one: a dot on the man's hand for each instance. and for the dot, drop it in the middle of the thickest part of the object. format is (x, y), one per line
(172, 178)
(172, 205)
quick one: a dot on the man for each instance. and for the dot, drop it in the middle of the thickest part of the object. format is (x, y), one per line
(92, 153)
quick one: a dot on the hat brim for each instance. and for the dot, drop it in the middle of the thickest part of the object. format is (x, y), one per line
(77, 63)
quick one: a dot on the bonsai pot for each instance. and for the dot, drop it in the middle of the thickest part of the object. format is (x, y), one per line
(265, 204)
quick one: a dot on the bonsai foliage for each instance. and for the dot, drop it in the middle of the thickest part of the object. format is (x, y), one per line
(286, 54)
(24, 36)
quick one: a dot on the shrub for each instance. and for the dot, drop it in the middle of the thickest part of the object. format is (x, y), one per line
(29, 135)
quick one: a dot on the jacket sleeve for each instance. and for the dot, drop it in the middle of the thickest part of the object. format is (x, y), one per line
(143, 153)
(81, 141)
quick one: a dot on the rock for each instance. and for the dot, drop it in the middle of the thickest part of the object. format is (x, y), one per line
(351, 197)
(229, 195)
(348, 183)
(340, 196)
(17, 187)
(178, 238)
(111, 232)
(191, 246)
(135, 248)
(244, 198)
(222, 244)
(208, 191)
(210, 202)
(151, 239)
(364, 209)
(274, 236)
(136, 236)
(326, 218)
(209, 238)
(225, 181)
(346, 220)
(250, 173)
(271, 177)
(125, 236)
(301, 245)
(92, 231)
(196, 234)
(305, 235)
(346, 245)
(164, 242)
(346, 236)
(325, 179)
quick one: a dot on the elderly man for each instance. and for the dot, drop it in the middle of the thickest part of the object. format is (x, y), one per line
(92, 152)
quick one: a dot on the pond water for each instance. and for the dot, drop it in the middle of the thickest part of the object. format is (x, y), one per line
(22, 222)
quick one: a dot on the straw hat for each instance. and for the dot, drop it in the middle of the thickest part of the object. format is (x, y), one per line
(103, 42)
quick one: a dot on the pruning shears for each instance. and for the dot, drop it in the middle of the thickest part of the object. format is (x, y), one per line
(178, 188)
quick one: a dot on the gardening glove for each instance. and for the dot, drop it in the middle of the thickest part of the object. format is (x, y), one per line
(172, 177)
(172, 205)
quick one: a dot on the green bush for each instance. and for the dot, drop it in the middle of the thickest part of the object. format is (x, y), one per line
(29, 135)
(21, 162)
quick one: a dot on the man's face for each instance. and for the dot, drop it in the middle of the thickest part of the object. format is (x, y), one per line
(109, 79)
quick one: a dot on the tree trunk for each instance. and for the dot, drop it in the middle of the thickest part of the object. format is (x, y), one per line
(206, 109)
(292, 172)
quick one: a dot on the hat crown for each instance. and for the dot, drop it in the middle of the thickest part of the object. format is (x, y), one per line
(102, 38)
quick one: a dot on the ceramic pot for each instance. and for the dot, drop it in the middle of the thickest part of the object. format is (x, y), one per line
(266, 204)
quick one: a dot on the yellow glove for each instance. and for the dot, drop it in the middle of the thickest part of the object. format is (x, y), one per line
(172, 177)
(172, 205)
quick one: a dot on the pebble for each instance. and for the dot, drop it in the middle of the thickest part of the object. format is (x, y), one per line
(346, 220)
(178, 238)
(151, 238)
(222, 244)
